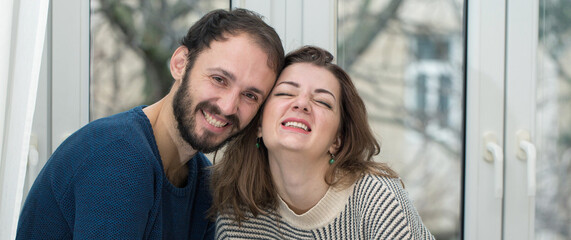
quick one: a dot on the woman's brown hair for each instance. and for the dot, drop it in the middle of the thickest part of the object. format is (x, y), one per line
(242, 180)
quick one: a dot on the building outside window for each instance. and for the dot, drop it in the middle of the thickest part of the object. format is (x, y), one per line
(406, 58)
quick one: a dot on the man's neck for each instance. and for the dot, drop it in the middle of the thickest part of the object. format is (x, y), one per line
(174, 151)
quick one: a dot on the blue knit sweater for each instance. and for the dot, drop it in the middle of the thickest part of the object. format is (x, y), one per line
(106, 181)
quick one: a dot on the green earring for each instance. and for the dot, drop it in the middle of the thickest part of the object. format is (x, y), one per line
(258, 140)
(332, 160)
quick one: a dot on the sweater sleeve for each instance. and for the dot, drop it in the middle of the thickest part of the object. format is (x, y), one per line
(392, 215)
(113, 193)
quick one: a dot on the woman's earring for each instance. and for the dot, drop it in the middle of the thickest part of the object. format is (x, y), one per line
(332, 160)
(258, 140)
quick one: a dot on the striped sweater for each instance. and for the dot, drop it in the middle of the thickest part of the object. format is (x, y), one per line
(372, 208)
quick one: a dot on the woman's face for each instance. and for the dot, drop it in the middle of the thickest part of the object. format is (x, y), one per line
(302, 113)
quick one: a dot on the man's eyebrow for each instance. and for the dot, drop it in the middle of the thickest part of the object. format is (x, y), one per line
(226, 74)
(258, 91)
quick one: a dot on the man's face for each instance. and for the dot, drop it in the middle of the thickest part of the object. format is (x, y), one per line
(222, 92)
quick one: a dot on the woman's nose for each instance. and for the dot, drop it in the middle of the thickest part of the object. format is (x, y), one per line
(302, 104)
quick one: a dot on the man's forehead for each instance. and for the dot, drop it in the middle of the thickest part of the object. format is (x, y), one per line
(253, 40)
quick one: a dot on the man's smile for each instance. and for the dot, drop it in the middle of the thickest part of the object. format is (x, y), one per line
(213, 121)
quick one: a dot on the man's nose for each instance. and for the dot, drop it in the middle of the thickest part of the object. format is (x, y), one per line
(229, 102)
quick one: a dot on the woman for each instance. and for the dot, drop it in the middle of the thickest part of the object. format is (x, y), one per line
(305, 169)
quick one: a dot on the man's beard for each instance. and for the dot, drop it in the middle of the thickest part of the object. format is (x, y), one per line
(186, 120)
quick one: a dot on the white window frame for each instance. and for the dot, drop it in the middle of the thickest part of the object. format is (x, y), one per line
(501, 71)
(47, 91)
(288, 17)
(62, 105)
(23, 35)
(69, 68)
(485, 61)
(521, 77)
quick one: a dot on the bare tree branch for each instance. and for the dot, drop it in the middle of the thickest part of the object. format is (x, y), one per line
(365, 32)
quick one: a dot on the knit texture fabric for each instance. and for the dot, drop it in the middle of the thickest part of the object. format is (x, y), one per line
(372, 208)
(106, 181)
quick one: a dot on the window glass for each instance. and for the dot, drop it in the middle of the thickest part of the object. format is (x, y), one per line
(553, 130)
(131, 44)
(406, 58)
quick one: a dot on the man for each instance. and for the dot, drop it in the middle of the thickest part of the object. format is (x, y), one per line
(141, 174)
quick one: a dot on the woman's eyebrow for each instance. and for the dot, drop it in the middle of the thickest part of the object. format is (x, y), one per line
(289, 82)
(321, 90)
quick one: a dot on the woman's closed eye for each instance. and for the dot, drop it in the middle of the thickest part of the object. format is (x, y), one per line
(324, 103)
(282, 94)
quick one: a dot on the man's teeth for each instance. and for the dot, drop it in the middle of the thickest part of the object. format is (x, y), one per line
(213, 121)
(296, 125)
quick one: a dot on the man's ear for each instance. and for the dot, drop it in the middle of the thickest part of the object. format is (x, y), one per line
(334, 148)
(178, 62)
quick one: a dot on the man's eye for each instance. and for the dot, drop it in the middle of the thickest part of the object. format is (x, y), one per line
(218, 79)
(251, 96)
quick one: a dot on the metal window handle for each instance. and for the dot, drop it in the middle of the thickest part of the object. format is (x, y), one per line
(495, 154)
(33, 153)
(527, 152)
(498, 160)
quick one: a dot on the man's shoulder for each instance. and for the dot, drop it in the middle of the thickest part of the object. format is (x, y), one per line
(133, 119)
(122, 133)
(131, 124)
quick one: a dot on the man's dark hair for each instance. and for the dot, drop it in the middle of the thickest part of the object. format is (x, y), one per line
(218, 23)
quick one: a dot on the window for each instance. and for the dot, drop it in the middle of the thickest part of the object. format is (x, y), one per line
(553, 121)
(444, 95)
(406, 58)
(132, 42)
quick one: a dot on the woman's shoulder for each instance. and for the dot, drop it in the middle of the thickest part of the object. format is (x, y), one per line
(369, 182)
(373, 192)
